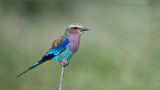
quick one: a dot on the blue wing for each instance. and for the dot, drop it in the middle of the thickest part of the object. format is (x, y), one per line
(58, 46)
(57, 50)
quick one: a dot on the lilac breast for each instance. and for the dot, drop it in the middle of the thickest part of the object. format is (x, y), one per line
(74, 42)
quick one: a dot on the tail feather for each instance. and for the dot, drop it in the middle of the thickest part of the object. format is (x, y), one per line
(23, 72)
(33, 66)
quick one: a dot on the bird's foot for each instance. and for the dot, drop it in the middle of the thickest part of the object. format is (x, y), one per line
(64, 63)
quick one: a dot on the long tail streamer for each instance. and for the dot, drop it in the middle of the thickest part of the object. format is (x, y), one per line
(33, 66)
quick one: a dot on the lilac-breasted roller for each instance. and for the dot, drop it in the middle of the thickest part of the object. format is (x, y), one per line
(64, 47)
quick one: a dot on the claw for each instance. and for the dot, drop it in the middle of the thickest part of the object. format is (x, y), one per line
(64, 63)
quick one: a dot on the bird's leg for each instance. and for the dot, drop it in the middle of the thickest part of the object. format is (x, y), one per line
(64, 64)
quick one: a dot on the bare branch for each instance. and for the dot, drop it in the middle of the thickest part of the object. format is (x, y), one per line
(64, 64)
(61, 79)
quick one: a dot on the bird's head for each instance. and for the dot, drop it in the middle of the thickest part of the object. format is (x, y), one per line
(75, 29)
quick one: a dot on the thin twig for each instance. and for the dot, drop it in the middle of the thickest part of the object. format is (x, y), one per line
(61, 80)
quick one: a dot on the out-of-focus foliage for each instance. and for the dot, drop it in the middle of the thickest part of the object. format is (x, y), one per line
(120, 52)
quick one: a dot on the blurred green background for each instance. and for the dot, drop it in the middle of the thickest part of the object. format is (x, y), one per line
(120, 52)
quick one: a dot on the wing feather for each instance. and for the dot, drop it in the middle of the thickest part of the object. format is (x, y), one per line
(57, 47)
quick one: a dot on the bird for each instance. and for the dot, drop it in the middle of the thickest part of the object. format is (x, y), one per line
(64, 47)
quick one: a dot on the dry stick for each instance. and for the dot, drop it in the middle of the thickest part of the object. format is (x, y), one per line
(62, 74)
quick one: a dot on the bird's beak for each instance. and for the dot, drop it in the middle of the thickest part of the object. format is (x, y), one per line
(84, 29)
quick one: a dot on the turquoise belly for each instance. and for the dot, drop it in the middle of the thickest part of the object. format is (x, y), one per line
(65, 55)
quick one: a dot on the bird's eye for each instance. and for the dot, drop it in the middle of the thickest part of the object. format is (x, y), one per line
(75, 27)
